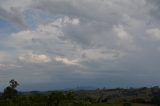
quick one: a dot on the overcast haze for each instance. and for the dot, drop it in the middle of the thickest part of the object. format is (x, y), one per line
(57, 44)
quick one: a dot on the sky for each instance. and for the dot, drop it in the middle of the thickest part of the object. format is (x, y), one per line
(59, 44)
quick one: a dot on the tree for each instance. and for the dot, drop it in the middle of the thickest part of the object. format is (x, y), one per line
(13, 83)
(10, 91)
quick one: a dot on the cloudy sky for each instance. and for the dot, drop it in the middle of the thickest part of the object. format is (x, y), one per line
(56, 44)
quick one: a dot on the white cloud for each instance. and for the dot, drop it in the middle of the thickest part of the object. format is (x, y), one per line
(44, 34)
(51, 37)
(154, 33)
(68, 20)
(123, 37)
(121, 33)
(67, 61)
(34, 58)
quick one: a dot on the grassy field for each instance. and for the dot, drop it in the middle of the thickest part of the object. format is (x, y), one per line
(122, 105)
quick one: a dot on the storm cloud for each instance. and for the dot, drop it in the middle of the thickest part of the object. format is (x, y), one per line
(68, 43)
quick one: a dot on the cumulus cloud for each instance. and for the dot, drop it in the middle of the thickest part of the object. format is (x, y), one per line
(51, 37)
(34, 58)
(44, 34)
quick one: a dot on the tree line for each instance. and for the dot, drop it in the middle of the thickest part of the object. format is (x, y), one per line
(11, 97)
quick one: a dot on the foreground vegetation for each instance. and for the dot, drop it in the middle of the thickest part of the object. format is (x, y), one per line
(98, 97)
(122, 104)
